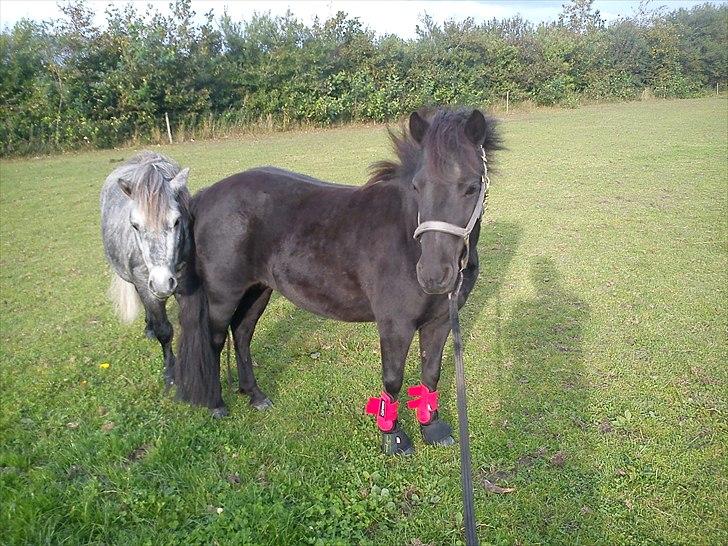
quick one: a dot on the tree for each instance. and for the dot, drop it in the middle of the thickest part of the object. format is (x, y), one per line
(580, 17)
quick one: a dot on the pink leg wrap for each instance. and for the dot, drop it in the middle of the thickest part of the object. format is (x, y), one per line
(385, 408)
(424, 403)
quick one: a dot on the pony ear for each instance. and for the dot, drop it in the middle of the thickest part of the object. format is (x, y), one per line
(418, 127)
(180, 181)
(125, 186)
(475, 127)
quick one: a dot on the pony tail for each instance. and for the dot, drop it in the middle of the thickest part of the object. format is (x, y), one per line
(197, 371)
(125, 299)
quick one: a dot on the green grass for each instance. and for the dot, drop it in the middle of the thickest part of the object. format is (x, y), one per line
(598, 329)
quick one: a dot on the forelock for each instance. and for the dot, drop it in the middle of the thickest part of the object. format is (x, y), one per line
(445, 143)
(149, 174)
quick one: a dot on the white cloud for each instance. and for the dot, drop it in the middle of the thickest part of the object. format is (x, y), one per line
(393, 17)
(384, 17)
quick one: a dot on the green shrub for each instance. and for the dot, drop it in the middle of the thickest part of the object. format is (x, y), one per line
(68, 83)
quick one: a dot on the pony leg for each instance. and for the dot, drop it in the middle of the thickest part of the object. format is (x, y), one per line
(246, 317)
(148, 326)
(433, 336)
(221, 308)
(161, 328)
(394, 340)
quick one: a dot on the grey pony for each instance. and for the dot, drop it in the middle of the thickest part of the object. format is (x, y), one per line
(145, 230)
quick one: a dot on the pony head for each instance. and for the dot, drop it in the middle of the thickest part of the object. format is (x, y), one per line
(158, 218)
(449, 184)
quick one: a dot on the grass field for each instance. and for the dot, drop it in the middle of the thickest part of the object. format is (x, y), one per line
(596, 350)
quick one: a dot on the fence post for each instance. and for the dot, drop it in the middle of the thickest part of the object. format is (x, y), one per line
(169, 131)
(508, 96)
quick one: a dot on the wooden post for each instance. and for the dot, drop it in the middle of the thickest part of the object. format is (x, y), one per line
(508, 97)
(169, 131)
(716, 89)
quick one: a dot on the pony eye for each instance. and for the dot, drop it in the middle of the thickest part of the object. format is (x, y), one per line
(135, 226)
(472, 190)
(176, 222)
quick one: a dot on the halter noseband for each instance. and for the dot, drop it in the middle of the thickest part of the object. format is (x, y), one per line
(452, 229)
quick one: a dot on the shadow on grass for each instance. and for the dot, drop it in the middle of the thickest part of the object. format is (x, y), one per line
(279, 339)
(544, 401)
(497, 246)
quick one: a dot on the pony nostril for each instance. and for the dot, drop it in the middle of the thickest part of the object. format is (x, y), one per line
(446, 276)
(172, 283)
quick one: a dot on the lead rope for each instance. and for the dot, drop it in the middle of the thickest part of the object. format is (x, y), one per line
(466, 470)
(466, 473)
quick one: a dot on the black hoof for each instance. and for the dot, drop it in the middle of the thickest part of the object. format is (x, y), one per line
(219, 413)
(437, 433)
(262, 405)
(168, 377)
(445, 442)
(396, 442)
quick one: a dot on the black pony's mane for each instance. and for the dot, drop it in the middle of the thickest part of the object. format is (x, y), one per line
(445, 142)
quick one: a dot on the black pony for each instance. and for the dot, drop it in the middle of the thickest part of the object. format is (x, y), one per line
(344, 252)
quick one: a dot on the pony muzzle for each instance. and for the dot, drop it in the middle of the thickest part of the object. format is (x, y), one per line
(437, 267)
(162, 282)
(437, 280)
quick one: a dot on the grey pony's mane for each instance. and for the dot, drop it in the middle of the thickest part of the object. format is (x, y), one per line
(147, 175)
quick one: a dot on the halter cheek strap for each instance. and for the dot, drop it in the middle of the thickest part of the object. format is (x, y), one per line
(452, 229)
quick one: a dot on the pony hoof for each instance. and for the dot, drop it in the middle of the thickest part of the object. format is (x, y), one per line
(219, 413)
(437, 433)
(396, 442)
(262, 405)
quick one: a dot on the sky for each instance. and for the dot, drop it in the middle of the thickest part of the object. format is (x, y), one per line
(384, 17)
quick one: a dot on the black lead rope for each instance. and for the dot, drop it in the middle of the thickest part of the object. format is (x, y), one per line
(466, 474)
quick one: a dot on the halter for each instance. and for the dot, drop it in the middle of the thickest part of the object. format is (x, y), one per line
(452, 229)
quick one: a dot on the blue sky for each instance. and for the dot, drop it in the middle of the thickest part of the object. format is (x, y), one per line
(396, 17)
